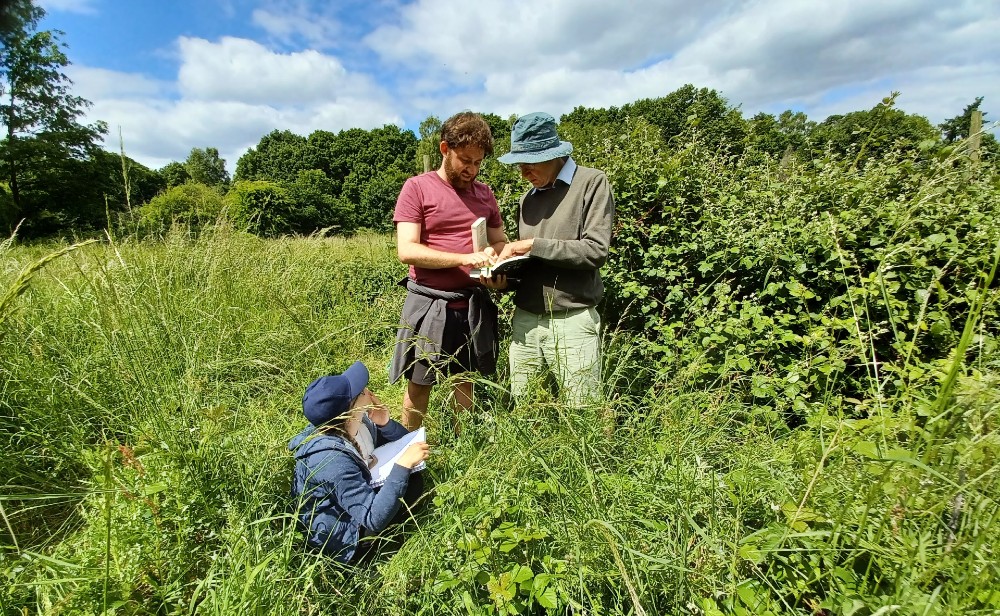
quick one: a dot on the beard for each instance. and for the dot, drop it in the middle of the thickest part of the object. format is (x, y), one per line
(454, 175)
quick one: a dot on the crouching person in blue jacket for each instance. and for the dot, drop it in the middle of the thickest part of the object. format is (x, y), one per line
(336, 504)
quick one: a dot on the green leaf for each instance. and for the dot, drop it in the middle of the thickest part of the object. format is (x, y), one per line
(154, 488)
(520, 573)
(867, 448)
(752, 552)
(747, 594)
(548, 598)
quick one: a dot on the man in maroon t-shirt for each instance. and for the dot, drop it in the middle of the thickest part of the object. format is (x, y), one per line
(434, 214)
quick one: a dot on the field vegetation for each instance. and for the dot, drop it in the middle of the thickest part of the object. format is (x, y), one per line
(801, 378)
(801, 370)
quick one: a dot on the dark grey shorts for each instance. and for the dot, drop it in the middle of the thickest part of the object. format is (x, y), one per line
(456, 352)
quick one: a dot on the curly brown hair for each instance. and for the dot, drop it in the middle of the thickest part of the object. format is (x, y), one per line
(467, 128)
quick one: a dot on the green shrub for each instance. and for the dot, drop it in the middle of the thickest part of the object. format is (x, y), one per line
(262, 207)
(191, 205)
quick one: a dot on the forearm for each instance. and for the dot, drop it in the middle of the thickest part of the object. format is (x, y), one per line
(497, 239)
(420, 255)
(391, 431)
(386, 502)
(582, 254)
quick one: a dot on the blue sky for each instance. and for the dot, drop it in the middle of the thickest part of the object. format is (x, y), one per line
(172, 75)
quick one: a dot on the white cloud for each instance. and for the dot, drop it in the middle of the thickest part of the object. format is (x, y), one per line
(937, 92)
(502, 36)
(237, 69)
(98, 83)
(513, 56)
(229, 94)
(156, 132)
(854, 43)
(289, 22)
(763, 55)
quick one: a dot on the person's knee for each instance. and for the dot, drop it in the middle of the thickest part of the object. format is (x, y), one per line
(418, 394)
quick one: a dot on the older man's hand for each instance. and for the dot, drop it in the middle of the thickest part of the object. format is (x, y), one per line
(515, 249)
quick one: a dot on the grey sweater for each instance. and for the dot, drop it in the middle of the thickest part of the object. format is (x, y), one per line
(571, 225)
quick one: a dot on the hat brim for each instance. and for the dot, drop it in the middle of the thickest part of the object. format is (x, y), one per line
(565, 148)
(357, 378)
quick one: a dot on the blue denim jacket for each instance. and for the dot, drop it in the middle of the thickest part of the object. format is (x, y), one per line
(333, 498)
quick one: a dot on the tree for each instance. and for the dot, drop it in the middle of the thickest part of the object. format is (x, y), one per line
(873, 133)
(175, 174)
(37, 110)
(339, 180)
(795, 126)
(764, 135)
(82, 194)
(205, 167)
(16, 14)
(377, 199)
(143, 183)
(702, 113)
(776, 136)
(958, 128)
(355, 158)
(429, 144)
(278, 157)
(316, 206)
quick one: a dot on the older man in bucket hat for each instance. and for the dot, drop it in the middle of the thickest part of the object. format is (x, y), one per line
(564, 222)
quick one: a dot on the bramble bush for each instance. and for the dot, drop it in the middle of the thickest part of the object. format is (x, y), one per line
(794, 283)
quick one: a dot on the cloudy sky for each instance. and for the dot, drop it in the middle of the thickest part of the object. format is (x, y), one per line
(168, 76)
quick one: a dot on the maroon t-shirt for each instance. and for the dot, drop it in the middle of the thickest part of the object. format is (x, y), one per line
(445, 216)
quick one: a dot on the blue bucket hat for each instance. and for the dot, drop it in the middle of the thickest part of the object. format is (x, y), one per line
(329, 397)
(534, 140)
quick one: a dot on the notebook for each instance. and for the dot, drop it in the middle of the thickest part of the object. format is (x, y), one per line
(386, 456)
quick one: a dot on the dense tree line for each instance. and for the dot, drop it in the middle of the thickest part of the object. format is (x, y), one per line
(55, 179)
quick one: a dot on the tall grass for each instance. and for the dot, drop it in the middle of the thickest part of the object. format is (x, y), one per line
(147, 391)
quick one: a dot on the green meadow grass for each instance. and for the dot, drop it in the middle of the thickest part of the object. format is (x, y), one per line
(148, 390)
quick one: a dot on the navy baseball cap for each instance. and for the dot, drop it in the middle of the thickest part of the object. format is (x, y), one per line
(329, 397)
